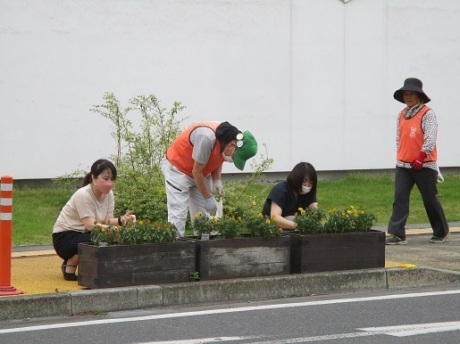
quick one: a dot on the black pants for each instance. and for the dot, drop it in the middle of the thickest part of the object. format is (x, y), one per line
(426, 180)
(66, 243)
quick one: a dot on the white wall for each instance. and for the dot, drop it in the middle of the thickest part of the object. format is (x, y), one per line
(312, 79)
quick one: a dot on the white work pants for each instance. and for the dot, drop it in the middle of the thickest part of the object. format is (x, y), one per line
(182, 196)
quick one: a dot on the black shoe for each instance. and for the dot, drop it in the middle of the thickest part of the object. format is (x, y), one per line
(68, 276)
(395, 240)
(437, 240)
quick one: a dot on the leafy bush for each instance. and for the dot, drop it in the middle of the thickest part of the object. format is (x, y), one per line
(260, 226)
(230, 227)
(245, 196)
(351, 219)
(203, 223)
(134, 233)
(140, 182)
(310, 220)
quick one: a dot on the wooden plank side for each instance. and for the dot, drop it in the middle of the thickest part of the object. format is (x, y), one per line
(117, 266)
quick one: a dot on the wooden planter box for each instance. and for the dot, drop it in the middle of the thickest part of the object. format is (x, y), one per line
(243, 257)
(121, 265)
(332, 252)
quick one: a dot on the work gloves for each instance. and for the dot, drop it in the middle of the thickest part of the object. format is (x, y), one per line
(418, 162)
(218, 188)
(210, 205)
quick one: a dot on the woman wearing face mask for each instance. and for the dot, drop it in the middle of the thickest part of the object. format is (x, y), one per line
(92, 203)
(193, 167)
(297, 191)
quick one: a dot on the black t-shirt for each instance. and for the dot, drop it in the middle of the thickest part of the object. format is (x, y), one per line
(282, 195)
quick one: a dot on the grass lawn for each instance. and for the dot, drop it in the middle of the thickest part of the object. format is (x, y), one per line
(35, 209)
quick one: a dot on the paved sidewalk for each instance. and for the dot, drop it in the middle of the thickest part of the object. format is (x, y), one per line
(36, 272)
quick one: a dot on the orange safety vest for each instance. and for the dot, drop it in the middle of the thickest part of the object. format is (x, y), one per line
(411, 137)
(179, 153)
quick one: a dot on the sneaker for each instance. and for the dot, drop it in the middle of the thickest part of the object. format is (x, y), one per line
(437, 240)
(395, 240)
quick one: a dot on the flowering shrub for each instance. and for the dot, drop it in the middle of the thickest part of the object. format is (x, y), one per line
(260, 226)
(230, 227)
(309, 220)
(134, 233)
(351, 219)
(203, 223)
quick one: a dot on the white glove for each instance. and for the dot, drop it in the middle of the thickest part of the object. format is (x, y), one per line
(218, 188)
(210, 205)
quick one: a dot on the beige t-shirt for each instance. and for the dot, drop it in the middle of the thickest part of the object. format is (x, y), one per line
(84, 203)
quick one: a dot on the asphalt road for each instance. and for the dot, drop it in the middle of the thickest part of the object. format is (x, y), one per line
(422, 317)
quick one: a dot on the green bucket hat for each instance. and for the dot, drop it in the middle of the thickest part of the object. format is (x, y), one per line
(246, 148)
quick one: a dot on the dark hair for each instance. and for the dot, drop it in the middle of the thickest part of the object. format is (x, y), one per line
(301, 171)
(225, 133)
(97, 168)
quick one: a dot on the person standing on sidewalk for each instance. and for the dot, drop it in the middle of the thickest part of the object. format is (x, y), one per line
(416, 164)
(92, 203)
(193, 167)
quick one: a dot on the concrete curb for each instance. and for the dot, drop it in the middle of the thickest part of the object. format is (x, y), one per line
(237, 290)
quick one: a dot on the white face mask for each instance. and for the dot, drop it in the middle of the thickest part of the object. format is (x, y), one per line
(227, 158)
(305, 190)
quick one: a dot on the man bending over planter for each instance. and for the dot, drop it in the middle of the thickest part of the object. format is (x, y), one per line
(193, 167)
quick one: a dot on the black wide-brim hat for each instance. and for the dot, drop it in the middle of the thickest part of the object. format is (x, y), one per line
(411, 84)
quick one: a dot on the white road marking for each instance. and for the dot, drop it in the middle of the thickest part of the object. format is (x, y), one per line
(223, 311)
(415, 329)
(201, 340)
(398, 331)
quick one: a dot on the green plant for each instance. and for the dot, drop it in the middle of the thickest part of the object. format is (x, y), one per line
(350, 219)
(248, 196)
(194, 276)
(228, 227)
(134, 233)
(259, 225)
(140, 183)
(309, 220)
(203, 223)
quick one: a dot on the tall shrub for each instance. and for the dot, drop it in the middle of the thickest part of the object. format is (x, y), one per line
(140, 182)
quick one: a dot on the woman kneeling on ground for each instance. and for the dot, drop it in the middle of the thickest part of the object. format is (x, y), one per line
(286, 197)
(92, 203)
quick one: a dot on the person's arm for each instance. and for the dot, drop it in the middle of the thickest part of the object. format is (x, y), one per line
(313, 205)
(217, 173)
(197, 173)
(89, 222)
(280, 221)
(218, 187)
(430, 131)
